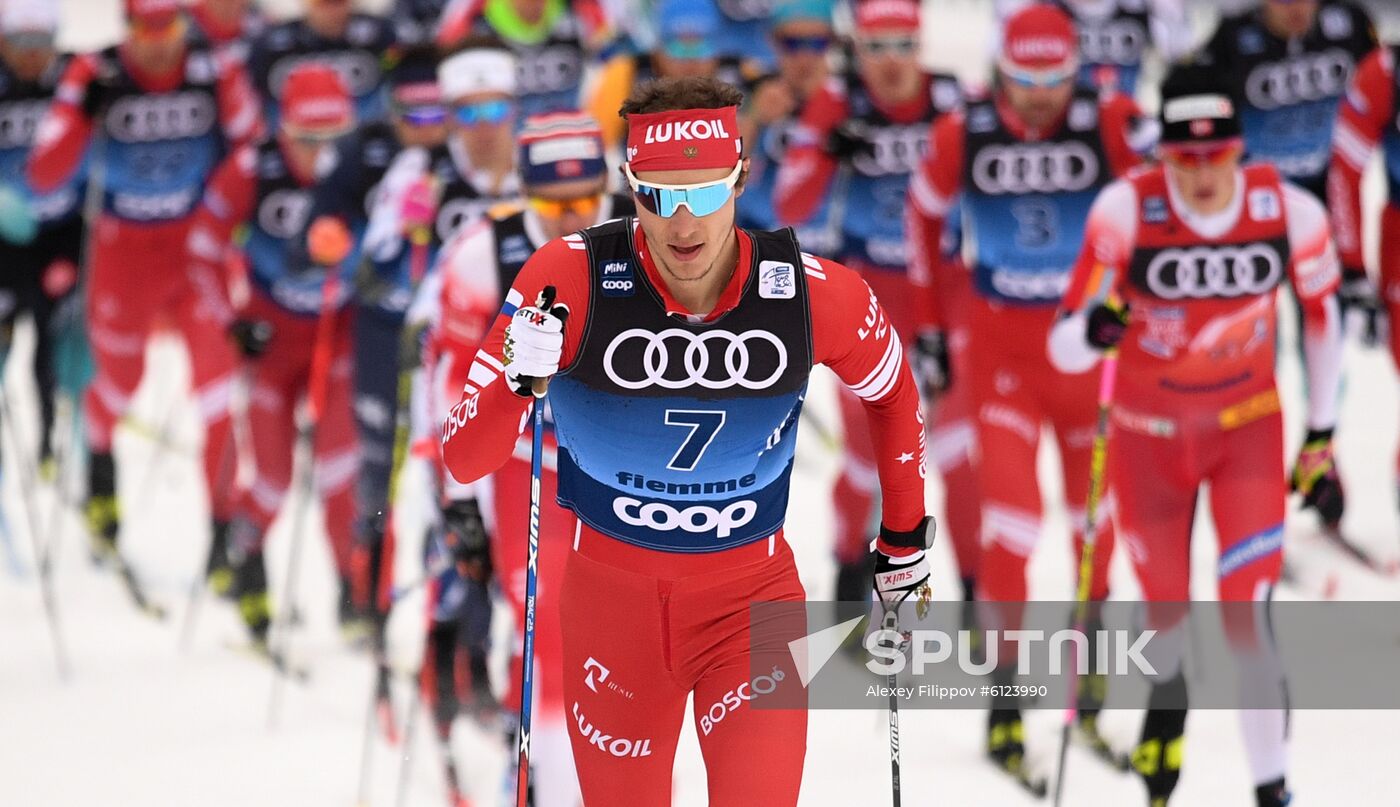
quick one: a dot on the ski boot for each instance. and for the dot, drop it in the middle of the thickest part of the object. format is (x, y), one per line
(1158, 755)
(250, 589)
(218, 572)
(1006, 746)
(1273, 794)
(101, 510)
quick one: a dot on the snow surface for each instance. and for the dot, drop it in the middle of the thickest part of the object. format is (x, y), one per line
(142, 722)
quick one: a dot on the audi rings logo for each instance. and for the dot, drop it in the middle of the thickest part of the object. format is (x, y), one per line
(1119, 42)
(676, 359)
(1202, 272)
(697, 518)
(143, 119)
(1035, 168)
(893, 150)
(1310, 77)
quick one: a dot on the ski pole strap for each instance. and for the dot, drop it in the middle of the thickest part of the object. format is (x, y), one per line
(921, 537)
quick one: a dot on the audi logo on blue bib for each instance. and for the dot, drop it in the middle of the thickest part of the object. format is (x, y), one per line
(1119, 42)
(1035, 168)
(1309, 77)
(676, 359)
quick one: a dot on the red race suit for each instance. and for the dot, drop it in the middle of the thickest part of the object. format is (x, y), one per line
(668, 554)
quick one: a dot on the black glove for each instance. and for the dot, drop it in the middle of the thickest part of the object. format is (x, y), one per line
(1315, 476)
(251, 336)
(1107, 325)
(465, 536)
(1361, 310)
(848, 140)
(98, 92)
(928, 358)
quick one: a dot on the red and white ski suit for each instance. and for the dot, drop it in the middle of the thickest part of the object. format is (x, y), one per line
(280, 377)
(139, 277)
(1013, 388)
(643, 629)
(469, 299)
(1196, 395)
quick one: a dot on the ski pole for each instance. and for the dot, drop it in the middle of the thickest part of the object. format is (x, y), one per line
(538, 387)
(321, 357)
(41, 556)
(891, 623)
(1097, 465)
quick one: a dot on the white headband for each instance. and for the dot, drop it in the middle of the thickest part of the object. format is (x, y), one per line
(29, 15)
(1195, 107)
(477, 71)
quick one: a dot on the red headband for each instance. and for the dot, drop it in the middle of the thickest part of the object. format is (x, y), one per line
(681, 139)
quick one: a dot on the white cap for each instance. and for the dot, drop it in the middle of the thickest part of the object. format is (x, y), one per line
(475, 71)
(28, 15)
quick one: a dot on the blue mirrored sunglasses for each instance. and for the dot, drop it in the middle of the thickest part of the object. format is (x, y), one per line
(665, 200)
(811, 44)
(1037, 78)
(423, 115)
(484, 112)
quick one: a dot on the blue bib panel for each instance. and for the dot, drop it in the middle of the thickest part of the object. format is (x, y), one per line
(158, 149)
(680, 437)
(872, 185)
(1289, 90)
(755, 208)
(1025, 202)
(1111, 46)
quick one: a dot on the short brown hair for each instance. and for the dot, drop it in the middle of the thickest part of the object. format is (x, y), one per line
(692, 92)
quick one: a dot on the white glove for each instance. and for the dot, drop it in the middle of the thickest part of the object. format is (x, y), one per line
(534, 342)
(898, 577)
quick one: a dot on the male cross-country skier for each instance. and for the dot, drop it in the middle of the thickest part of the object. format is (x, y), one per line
(564, 173)
(1028, 161)
(229, 25)
(1370, 117)
(41, 236)
(331, 32)
(255, 202)
(555, 42)
(468, 159)
(676, 460)
(1196, 249)
(158, 114)
(1290, 61)
(857, 141)
(804, 40)
(1115, 37)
